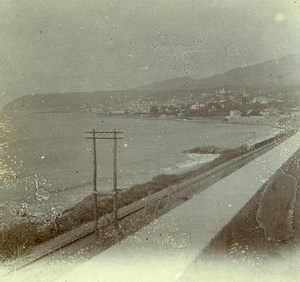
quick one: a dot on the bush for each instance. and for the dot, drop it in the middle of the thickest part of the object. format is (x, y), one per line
(16, 239)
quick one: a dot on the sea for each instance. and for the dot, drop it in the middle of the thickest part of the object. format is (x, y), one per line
(53, 147)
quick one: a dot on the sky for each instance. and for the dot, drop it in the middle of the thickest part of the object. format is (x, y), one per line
(51, 46)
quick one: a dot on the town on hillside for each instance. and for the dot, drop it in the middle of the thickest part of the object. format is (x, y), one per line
(224, 104)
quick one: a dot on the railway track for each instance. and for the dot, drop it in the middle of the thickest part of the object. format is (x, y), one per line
(138, 214)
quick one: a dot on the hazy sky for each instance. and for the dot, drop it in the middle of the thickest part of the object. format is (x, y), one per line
(85, 45)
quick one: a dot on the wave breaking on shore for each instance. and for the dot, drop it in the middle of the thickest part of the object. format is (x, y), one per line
(194, 160)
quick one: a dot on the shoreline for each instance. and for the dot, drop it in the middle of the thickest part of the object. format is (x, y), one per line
(213, 119)
(194, 161)
(83, 210)
(81, 189)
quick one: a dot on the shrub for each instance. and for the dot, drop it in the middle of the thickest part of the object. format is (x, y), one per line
(16, 239)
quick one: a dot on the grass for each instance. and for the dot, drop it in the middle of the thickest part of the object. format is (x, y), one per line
(17, 239)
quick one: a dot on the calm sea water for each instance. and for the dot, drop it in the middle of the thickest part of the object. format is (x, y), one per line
(53, 145)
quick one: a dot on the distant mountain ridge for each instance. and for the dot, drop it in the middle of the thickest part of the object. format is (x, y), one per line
(283, 72)
(178, 83)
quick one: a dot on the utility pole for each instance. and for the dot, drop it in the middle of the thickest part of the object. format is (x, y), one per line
(93, 134)
(95, 192)
(115, 175)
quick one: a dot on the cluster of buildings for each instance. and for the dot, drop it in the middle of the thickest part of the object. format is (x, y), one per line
(228, 104)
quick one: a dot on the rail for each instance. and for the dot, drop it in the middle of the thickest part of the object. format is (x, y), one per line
(181, 191)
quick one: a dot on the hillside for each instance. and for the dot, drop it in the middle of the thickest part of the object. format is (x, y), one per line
(178, 83)
(284, 72)
(60, 102)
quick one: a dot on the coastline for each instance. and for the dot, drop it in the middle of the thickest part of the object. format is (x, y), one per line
(194, 161)
(83, 211)
(213, 119)
(182, 163)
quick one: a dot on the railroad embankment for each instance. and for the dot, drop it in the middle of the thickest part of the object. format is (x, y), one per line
(158, 193)
(173, 245)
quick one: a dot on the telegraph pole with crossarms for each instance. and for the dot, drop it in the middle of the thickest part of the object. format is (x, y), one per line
(105, 135)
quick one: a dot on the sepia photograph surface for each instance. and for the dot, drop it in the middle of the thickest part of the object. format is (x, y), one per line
(149, 140)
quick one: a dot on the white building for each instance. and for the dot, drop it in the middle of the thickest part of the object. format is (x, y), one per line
(260, 99)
